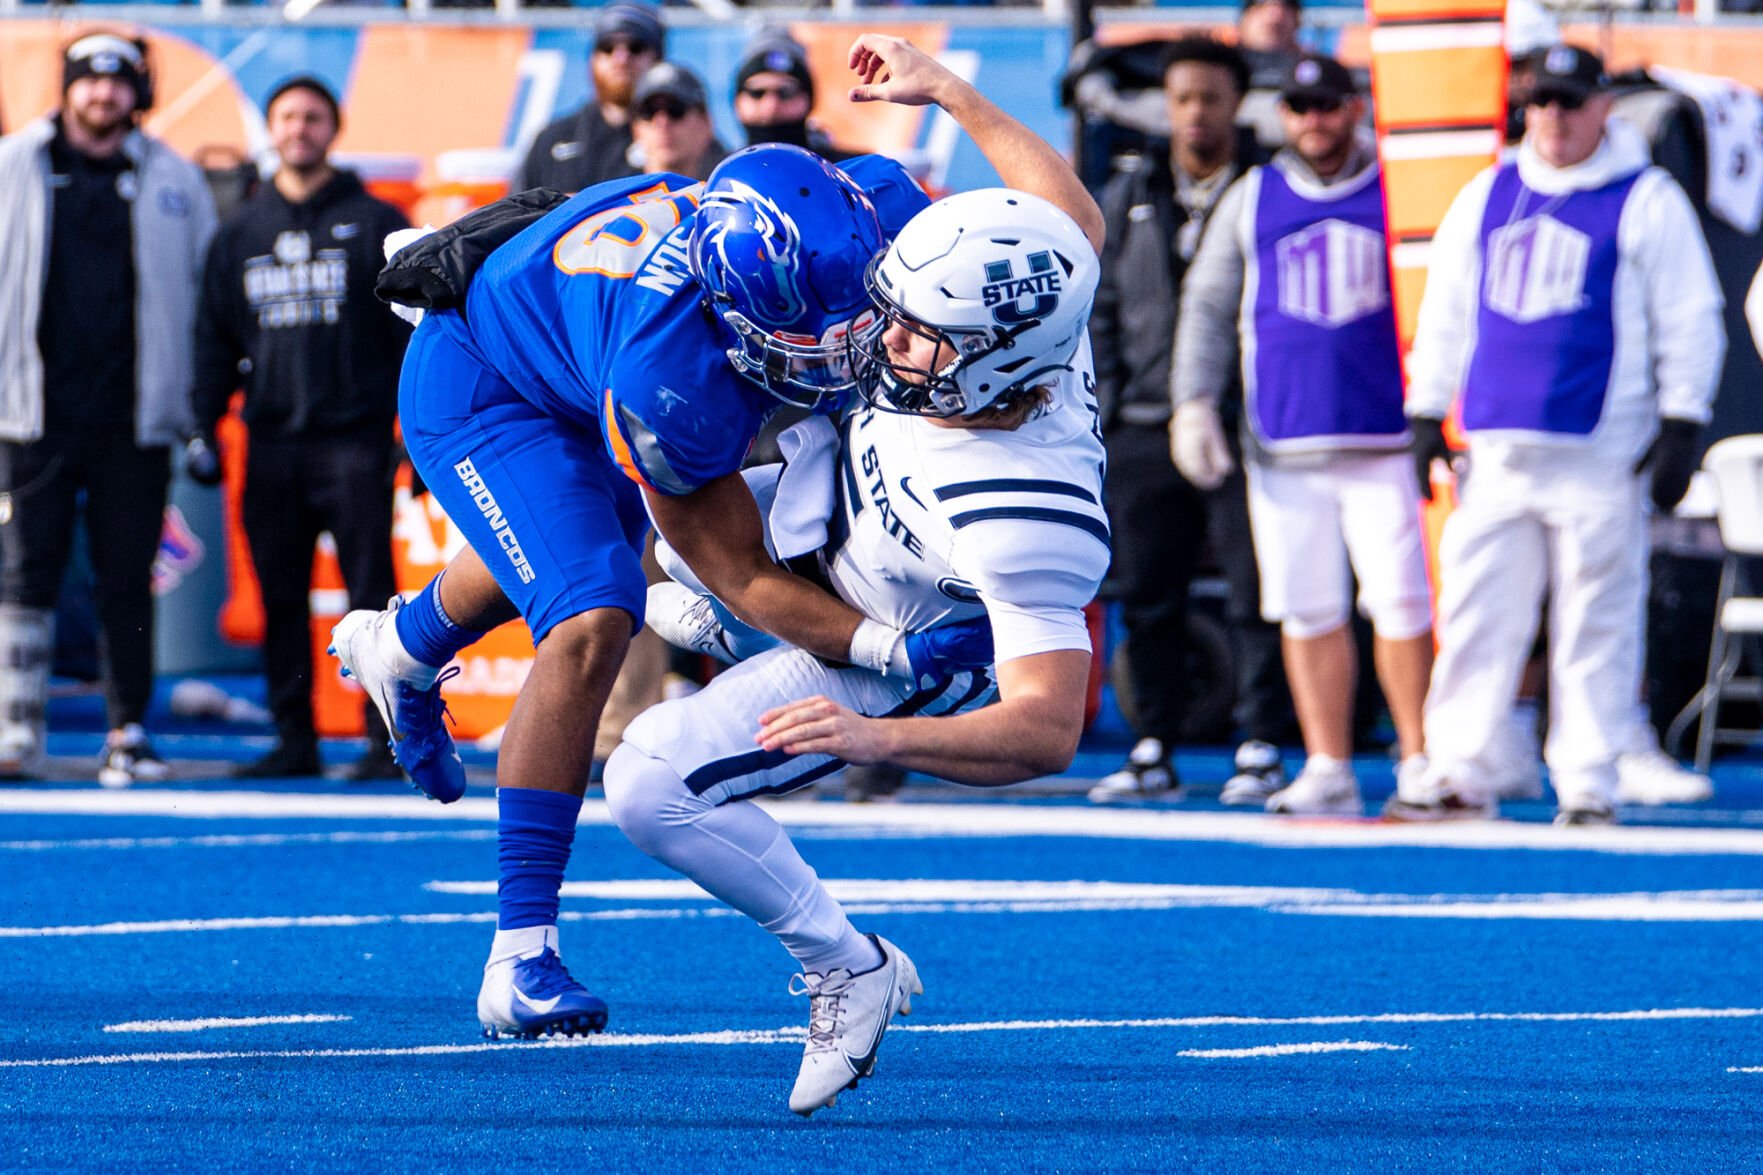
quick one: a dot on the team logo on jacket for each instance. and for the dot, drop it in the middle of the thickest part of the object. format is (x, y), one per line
(293, 247)
(1016, 300)
(1332, 273)
(1536, 269)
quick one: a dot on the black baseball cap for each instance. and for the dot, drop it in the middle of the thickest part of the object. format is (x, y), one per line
(1315, 77)
(311, 84)
(776, 53)
(1566, 71)
(668, 80)
(1294, 5)
(638, 23)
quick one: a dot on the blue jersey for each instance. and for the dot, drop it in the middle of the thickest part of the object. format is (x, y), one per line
(592, 315)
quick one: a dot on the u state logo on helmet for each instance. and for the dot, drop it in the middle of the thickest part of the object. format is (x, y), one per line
(1016, 300)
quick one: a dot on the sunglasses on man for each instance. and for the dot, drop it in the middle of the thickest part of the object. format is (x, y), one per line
(1567, 102)
(783, 92)
(612, 45)
(672, 107)
(1301, 104)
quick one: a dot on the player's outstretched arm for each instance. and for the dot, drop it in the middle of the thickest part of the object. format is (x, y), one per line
(1032, 730)
(717, 530)
(891, 69)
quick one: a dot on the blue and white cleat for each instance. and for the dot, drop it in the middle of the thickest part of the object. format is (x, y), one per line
(847, 1016)
(408, 694)
(526, 998)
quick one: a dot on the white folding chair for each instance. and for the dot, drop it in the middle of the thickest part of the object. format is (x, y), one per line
(1736, 465)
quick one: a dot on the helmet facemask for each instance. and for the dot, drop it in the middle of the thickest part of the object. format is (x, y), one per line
(895, 386)
(800, 371)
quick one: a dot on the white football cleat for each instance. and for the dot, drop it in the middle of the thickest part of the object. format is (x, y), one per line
(847, 1016)
(1653, 777)
(691, 621)
(1325, 787)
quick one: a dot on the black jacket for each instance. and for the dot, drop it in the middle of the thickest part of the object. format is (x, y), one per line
(1132, 329)
(575, 152)
(289, 288)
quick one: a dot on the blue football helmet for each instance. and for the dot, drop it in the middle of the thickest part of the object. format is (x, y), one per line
(779, 245)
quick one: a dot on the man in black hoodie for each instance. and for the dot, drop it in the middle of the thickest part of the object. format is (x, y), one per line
(288, 313)
(1155, 213)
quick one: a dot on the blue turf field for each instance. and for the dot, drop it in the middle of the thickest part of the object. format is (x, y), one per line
(1239, 993)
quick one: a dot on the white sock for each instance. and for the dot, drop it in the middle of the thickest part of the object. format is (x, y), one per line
(524, 943)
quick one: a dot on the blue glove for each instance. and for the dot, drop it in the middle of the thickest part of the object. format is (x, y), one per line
(938, 654)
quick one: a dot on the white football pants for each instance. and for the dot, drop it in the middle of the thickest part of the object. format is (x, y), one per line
(1527, 522)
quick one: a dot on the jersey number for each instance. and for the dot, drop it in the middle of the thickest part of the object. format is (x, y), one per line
(613, 243)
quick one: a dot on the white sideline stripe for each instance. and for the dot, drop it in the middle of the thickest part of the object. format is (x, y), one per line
(1336, 1021)
(345, 921)
(1423, 38)
(222, 1022)
(1592, 908)
(795, 1035)
(1292, 1050)
(1439, 145)
(1746, 1069)
(961, 820)
(259, 840)
(981, 897)
(928, 896)
(919, 890)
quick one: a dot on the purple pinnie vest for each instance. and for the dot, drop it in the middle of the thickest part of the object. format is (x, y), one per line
(1325, 361)
(1545, 325)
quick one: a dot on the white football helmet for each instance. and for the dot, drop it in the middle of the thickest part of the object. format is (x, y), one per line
(1002, 279)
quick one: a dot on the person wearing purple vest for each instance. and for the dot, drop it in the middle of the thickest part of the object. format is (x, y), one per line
(1292, 283)
(1573, 316)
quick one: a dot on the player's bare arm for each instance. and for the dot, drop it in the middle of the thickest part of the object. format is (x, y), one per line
(716, 529)
(892, 69)
(1032, 730)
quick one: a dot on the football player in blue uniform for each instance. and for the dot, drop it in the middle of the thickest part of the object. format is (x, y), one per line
(621, 351)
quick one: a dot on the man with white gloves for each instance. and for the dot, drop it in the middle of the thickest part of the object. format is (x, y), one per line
(1292, 280)
(1573, 309)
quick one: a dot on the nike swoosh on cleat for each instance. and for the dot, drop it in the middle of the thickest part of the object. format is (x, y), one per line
(542, 1007)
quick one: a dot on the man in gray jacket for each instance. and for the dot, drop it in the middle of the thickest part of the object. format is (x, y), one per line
(1290, 289)
(102, 235)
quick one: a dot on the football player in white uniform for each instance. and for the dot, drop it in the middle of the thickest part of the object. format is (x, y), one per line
(969, 484)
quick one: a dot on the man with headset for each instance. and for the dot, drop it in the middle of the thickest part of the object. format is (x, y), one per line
(102, 234)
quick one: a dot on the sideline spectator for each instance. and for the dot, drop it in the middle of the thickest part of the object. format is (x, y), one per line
(102, 231)
(1267, 34)
(670, 124)
(1584, 384)
(289, 292)
(588, 147)
(774, 91)
(1155, 213)
(1296, 261)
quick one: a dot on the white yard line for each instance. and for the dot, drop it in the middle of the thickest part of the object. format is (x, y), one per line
(1293, 1050)
(871, 896)
(794, 1036)
(253, 840)
(222, 1022)
(923, 820)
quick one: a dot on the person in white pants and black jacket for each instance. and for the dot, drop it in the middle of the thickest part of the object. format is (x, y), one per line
(1572, 312)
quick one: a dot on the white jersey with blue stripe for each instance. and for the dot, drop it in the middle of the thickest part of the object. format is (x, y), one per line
(937, 523)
